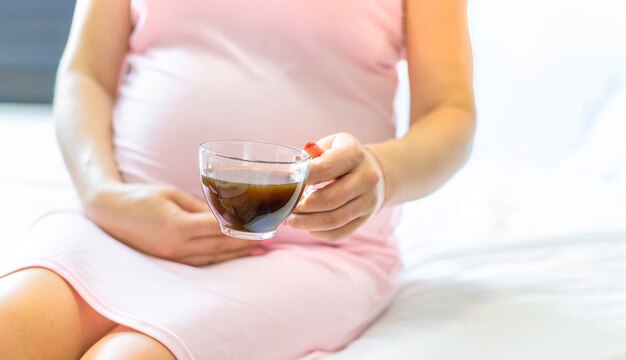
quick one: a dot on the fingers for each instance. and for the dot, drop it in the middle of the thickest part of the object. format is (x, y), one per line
(186, 201)
(215, 245)
(340, 233)
(208, 259)
(195, 225)
(335, 219)
(196, 220)
(333, 195)
(336, 210)
(326, 142)
(343, 154)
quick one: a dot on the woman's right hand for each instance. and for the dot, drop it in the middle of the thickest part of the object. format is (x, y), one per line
(166, 222)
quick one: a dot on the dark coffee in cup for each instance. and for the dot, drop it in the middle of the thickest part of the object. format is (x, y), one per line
(251, 200)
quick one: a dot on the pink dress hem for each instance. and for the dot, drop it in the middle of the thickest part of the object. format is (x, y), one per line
(164, 336)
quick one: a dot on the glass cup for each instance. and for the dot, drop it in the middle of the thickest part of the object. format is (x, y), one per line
(252, 186)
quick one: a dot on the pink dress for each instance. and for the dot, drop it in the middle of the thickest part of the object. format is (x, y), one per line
(275, 70)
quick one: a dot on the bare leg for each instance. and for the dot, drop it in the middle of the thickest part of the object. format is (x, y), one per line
(124, 343)
(44, 318)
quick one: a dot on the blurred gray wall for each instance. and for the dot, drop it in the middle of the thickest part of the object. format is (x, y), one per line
(32, 38)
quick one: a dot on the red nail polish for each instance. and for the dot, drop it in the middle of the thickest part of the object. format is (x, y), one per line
(313, 149)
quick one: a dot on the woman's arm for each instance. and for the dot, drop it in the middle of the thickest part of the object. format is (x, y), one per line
(443, 116)
(437, 144)
(86, 86)
(159, 220)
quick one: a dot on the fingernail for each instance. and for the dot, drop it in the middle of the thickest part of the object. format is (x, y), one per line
(268, 243)
(313, 149)
(258, 252)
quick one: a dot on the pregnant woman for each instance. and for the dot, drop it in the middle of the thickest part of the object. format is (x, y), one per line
(141, 269)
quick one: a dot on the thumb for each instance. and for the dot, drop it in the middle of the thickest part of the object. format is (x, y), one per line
(326, 142)
(188, 202)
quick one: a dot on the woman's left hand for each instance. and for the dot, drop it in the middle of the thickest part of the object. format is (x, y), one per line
(357, 191)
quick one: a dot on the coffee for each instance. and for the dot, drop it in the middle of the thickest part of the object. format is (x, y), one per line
(251, 200)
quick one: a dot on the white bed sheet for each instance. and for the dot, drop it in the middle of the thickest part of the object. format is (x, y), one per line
(557, 299)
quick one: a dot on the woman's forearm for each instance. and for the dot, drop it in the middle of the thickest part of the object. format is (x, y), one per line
(434, 148)
(82, 112)
(86, 86)
(439, 60)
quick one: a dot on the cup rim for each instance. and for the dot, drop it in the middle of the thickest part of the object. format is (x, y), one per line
(306, 156)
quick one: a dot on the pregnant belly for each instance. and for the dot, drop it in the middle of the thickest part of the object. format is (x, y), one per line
(159, 120)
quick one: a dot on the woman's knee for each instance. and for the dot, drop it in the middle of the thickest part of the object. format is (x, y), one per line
(128, 344)
(43, 317)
